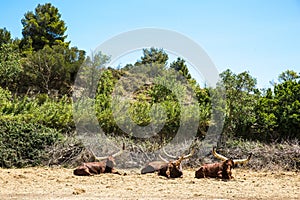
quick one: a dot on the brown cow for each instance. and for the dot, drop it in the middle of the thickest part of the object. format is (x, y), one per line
(221, 169)
(216, 170)
(169, 169)
(105, 166)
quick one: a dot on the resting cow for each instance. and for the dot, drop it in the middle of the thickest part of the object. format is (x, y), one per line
(169, 169)
(216, 170)
(221, 169)
(105, 166)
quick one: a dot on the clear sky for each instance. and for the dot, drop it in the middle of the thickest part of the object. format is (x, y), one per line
(259, 36)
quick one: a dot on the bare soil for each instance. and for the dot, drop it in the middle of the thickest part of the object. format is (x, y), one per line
(60, 183)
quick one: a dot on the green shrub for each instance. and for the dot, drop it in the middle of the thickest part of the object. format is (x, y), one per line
(23, 144)
(39, 109)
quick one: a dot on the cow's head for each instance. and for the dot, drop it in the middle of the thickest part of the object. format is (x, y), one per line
(227, 165)
(174, 169)
(110, 161)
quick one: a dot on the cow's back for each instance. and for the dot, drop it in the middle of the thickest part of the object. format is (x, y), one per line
(153, 166)
(209, 170)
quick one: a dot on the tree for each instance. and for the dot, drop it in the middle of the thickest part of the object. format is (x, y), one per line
(10, 67)
(241, 97)
(43, 27)
(91, 72)
(5, 36)
(266, 126)
(288, 75)
(153, 56)
(180, 66)
(52, 69)
(287, 96)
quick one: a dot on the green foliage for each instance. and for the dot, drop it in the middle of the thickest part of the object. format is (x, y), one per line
(38, 110)
(28, 125)
(266, 122)
(241, 98)
(145, 88)
(153, 56)
(43, 27)
(23, 144)
(270, 116)
(10, 67)
(277, 111)
(51, 69)
(288, 75)
(5, 36)
(180, 66)
(48, 64)
(287, 95)
(91, 72)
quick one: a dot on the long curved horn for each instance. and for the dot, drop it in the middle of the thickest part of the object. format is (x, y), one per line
(235, 161)
(98, 158)
(120, 152)
(218, 156)
(190, 154)
(171, 156)
(114, 155)
(242, 161)
(163, 159)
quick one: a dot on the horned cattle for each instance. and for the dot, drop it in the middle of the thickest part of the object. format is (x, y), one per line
(169, 169)
(104, 165)
(221, 169)
(216, 170)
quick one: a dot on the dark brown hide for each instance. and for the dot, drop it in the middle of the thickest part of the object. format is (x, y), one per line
(216, 170)
(91, 168)
(154, 166)
(169, 170)
(174, 170)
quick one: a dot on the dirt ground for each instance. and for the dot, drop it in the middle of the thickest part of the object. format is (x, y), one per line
(60, 183)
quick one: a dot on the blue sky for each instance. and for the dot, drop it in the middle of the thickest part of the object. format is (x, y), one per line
(262, 37)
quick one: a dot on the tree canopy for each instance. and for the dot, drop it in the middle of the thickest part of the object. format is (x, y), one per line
(43, 27)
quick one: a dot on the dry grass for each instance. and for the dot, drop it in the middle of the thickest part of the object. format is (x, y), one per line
(60, 183)
(276, 156)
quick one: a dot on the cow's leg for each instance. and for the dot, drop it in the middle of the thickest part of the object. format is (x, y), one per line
(82, 171)
(200, 173)
(88, 172)
(114, 171)
(92, 170)
(219, 174)
(168, 172)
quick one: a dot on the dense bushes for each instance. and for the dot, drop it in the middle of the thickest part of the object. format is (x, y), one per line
(266, 115)
(39, 109)
(141, 101)
(23, 144)
(28, 125)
